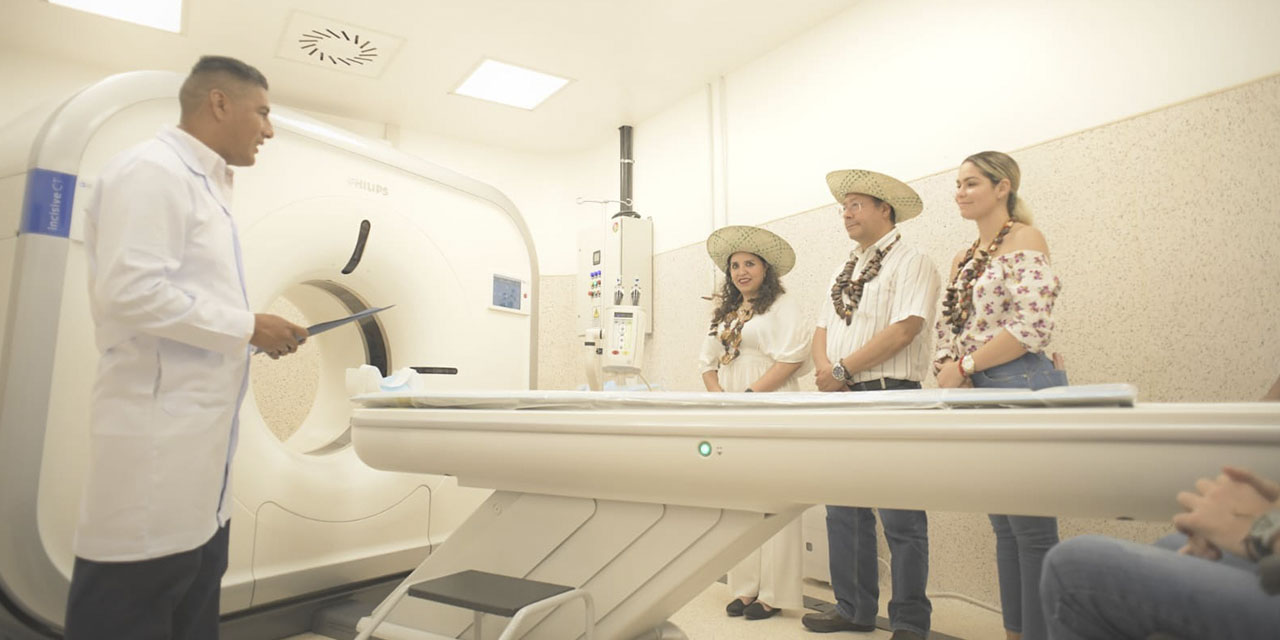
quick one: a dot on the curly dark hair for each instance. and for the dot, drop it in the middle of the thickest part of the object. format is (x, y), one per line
(731, 298)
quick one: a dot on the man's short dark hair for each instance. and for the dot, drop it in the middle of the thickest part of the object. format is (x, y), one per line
(207, 73)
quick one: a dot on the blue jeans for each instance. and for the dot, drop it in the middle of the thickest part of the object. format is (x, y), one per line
(855, 575)
(1030, 371)
(1098, 587)
(1022, 541)
(855, 571)
(1176, 541)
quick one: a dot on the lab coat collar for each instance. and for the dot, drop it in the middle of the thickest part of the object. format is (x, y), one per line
(201, 160)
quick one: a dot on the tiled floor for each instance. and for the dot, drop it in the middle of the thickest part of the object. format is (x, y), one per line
(704, 619)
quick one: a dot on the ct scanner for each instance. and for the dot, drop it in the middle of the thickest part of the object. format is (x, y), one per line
(309, 516)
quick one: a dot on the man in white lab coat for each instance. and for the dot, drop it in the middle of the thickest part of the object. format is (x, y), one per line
(173, 325)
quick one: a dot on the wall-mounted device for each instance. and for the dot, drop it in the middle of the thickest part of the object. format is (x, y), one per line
(623, 346)
(510, 294)
(617, 259)
(615, 286)
(615, 297)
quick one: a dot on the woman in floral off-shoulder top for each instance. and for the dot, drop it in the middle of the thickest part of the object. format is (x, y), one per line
(996, 324)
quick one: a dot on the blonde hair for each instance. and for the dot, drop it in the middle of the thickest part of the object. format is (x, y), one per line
(997, 166)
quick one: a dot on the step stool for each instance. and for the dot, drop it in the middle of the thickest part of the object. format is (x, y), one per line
(484, 592)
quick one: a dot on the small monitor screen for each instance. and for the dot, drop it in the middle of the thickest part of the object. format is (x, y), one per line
(622, 314)
(507, 292)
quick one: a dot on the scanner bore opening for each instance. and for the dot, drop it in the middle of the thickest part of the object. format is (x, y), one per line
(288, 390)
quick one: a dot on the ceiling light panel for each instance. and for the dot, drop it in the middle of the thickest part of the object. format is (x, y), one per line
(157, 14)
(510, 85)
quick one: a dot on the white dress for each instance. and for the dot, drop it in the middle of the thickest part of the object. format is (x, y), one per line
(774, 572)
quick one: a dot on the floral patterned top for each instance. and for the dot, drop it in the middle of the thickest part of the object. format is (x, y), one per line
(1015, 293)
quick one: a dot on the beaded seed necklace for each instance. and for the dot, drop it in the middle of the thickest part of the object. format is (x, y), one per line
(958, 305)
(730, 332)
(845, 286)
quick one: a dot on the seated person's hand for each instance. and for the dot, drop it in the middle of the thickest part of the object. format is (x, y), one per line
(1200, 548)
(276, 336)
(1220, 511)
(1267, 488)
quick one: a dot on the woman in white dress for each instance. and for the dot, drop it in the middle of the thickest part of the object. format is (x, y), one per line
(757, 342)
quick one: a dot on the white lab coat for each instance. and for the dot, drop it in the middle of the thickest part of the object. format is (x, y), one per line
(167, 295)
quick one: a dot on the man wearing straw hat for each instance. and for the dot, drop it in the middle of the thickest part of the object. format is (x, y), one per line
(870, 337)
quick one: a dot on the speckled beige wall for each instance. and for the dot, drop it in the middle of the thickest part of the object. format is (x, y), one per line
(285, 389)
(1164, 229)
(559, 359)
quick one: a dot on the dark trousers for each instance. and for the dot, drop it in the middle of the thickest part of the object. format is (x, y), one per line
(173, 597)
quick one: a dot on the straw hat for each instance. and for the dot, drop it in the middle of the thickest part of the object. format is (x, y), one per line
(904, 200)
(727, 241)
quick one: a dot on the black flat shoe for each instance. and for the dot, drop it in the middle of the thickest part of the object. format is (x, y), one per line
(756, 611)
(735, 607)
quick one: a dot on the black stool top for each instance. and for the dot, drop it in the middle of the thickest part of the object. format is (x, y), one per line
(486, 592)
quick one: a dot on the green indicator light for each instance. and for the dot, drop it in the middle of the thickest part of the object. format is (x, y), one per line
(704, 448)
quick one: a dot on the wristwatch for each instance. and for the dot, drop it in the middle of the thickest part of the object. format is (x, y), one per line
(966, 365)
(839, 373)
(1262, 535)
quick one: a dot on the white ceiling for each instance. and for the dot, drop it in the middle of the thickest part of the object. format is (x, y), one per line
(628, 59)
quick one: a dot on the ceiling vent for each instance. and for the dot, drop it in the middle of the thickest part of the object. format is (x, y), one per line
(337, 45)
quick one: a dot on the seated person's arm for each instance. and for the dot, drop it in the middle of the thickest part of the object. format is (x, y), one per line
(1269, 571)
(1220, 512)
(711, 380)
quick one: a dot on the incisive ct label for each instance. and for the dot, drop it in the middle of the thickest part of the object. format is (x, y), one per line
(47, 207)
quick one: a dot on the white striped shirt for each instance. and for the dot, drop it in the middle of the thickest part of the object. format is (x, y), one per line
(907, 285)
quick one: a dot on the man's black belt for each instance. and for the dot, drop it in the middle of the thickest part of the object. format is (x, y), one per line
(882, 384)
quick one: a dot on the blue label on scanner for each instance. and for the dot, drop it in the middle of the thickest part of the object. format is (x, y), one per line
(47, 208)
